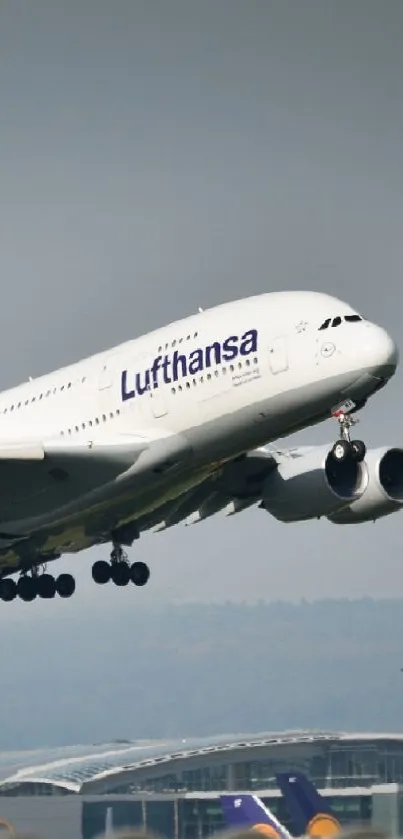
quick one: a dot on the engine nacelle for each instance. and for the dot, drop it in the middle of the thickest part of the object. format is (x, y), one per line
(384, 492)
(311, 485)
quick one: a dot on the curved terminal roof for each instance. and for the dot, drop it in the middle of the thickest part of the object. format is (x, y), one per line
(86, 768)
(71, 766)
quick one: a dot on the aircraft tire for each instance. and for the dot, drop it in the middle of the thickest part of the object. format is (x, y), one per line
(101, 572)
(8, 590)
(65, 585)
(120, 574)
(27, 589)
(139, 573)
(358, 450)
(46, 586)
(341, 450)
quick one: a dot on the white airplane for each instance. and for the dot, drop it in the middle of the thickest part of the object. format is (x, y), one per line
(175, 424)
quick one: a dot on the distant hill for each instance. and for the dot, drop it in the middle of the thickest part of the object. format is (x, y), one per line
(200, 669)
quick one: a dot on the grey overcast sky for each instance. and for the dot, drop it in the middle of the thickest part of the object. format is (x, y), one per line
(156, 156)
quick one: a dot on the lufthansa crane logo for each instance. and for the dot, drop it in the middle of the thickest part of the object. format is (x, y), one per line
(6, 829)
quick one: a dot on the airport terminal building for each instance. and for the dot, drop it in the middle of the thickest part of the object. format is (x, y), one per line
(173, 788)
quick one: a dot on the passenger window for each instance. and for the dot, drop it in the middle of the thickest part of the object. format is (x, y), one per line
(325, 324)
(336, 321)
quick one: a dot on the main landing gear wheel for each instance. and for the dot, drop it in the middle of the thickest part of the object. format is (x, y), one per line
(120, 574)
(101, 572)
(345, 447)
(8, 589)
(44, 586)
(65, 586)
(139, 573)
(119, 570)
(27, 588)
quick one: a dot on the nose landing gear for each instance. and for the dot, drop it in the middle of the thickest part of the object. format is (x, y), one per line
(345, 447)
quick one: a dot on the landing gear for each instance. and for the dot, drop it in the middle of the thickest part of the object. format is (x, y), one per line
(8, 590)
(30, 586)
(139, 573)
(65, 586)
(345, 447)
(119, 570)
(38, 583)
(359, 450)
(101, 572)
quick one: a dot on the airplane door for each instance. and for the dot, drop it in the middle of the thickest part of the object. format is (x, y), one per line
(108, 380)
(278, 355)
(157, 403)
(152, 400)
(106, 375)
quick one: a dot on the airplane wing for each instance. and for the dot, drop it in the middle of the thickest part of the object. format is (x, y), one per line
(38, 480)
(234, 487)
(37, 477)
(293, 484)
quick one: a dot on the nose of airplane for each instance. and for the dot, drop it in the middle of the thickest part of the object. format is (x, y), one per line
(384, 351)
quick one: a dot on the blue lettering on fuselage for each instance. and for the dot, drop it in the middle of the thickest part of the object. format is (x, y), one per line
(168, 369)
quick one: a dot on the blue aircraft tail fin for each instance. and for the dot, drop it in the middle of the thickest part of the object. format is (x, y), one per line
(309, 812)
(248, 811)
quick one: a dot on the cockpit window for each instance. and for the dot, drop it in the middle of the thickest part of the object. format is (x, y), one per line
(325, 324)
(338, 320)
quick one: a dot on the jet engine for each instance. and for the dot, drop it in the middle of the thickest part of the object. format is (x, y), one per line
(384, 492)
(310, 484)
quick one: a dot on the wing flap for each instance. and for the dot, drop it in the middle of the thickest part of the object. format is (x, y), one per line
(235, 487)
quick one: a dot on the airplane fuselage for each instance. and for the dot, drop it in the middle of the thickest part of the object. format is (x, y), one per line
(167, 408)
